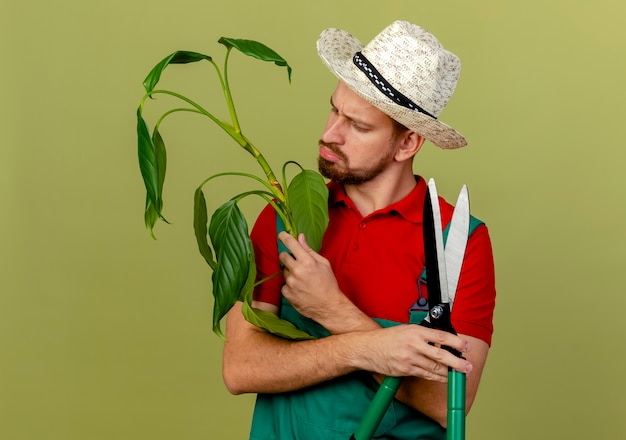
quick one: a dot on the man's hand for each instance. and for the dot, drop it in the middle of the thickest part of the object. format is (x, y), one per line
(413, 350)
(310, 284)
(406, 350)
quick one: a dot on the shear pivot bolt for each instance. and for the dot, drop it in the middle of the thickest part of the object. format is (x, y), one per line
(436, 312)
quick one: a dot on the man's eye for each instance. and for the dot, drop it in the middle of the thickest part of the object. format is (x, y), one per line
(360, 128)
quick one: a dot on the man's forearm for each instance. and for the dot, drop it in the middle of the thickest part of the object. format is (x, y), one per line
(255, 361)
(258, 362)
(430, 398)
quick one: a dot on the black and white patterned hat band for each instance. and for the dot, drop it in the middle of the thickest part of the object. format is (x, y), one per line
(381, 83)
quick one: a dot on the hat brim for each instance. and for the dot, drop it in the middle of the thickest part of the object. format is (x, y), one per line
(336, 48)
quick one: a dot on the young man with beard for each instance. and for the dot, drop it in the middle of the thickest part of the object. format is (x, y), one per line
(357, 293)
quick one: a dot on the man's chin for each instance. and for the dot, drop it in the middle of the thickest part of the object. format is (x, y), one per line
(323, 165)
(330, 171)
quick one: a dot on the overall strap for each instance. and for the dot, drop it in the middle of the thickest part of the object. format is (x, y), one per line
(280, 227)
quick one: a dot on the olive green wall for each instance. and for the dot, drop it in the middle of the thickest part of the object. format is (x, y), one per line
(105, 333)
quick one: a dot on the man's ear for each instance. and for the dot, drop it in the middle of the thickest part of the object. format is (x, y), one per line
(409, 143)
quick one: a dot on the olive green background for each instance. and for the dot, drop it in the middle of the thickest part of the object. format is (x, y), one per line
(105, 333)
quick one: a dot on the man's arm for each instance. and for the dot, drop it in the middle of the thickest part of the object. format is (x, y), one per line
(257, 362)
(430, 398)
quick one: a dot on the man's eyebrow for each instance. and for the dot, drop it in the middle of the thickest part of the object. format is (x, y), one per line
(353, 119)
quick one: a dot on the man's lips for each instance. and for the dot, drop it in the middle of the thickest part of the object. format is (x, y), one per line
(328, 154)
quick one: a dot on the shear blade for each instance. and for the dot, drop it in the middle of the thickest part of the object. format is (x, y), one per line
(456, 242)
(439, 248)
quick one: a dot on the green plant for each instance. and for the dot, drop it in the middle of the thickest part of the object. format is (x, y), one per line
(301, 207)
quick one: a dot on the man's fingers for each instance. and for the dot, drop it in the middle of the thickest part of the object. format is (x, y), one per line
(432, 375)
(303, 243)
(291, 243)
(431, 347)
(285, 258)
(287, 239)
(442, 338)
(299, 248)
(443, 357)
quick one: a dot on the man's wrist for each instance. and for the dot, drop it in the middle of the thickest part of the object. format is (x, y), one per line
(345, 317)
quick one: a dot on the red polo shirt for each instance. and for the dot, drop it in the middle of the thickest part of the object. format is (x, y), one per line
(377, 260)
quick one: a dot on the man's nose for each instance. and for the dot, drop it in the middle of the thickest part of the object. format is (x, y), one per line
(333, 133)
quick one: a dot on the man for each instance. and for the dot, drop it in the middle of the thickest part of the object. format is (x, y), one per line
(365, 279)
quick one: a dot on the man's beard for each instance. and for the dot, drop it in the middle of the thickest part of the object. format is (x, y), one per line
(350, 176)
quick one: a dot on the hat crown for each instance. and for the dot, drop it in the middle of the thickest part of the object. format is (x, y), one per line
(404, 71)
(414, 62)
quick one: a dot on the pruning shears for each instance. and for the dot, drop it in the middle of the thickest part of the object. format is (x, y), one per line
(443, 269)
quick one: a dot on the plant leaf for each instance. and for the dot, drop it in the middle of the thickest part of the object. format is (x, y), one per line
(147, 159)
(256, 50)
(160, 155)
(148, 164)
(248, 289)
(263, 319)
(229, 234)
(152, 163)
(268, 321)
(151, 216)
(178, 57)
(200, 221)
(308, 200)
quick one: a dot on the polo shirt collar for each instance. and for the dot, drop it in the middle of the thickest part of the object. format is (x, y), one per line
(411, 207)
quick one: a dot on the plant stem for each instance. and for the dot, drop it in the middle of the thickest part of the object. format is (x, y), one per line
(279, 196)
(232, 131)
(229, 98)
(174, 110)
(247, 145)
(199, 108)
(271, 177)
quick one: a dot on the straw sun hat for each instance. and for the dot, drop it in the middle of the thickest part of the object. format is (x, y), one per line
(404, 71)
